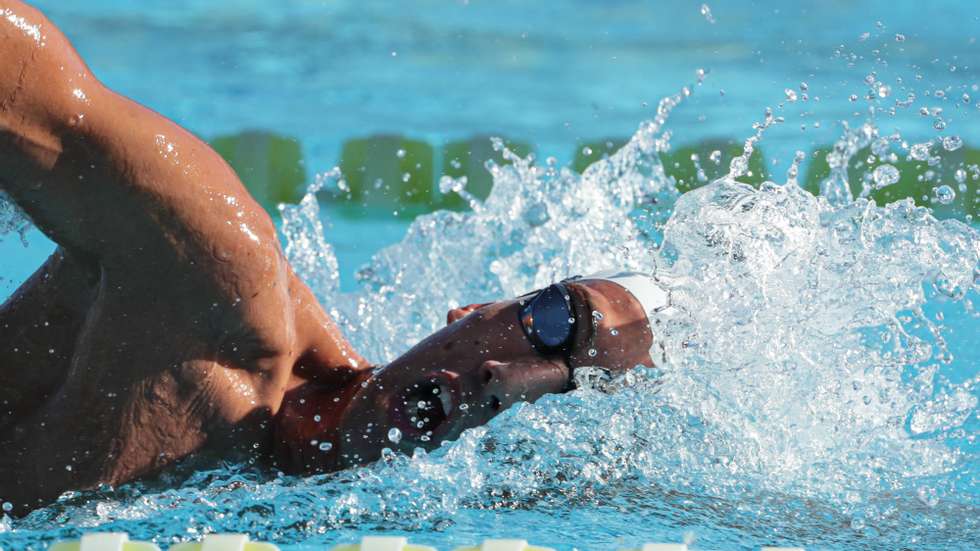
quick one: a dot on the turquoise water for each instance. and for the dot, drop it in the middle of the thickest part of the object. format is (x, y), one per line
(821, 387)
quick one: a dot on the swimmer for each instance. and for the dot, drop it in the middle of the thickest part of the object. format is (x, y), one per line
(168, 322)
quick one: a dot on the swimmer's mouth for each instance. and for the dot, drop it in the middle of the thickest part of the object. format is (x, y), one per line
(422, 411)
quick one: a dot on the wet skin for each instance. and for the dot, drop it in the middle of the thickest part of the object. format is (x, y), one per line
(169, 323)
(462, 376)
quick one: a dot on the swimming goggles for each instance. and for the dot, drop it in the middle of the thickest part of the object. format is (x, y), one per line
(548, 320)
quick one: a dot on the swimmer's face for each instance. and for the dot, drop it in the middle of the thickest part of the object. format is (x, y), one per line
(460, 377)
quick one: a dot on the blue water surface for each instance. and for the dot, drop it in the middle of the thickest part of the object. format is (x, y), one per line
(555, 74)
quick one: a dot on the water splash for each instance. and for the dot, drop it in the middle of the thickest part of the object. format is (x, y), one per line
(809, 390)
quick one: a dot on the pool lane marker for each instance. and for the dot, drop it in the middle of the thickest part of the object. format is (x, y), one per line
(104, 541)
(225, 542)
(383, 543)
(504, 545)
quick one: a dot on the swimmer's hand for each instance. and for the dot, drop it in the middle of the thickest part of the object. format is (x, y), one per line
(457, 314)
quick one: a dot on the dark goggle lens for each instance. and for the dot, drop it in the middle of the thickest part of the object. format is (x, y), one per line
(551, 319)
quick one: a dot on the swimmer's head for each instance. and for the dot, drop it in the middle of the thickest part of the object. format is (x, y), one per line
(485, 360)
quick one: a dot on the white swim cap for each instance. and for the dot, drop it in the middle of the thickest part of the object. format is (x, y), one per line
(643, 287)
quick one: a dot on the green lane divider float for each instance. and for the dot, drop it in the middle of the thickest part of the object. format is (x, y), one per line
(389, 171)
(270, 165)
(468, 158)
(916, 178)
(691, 165)
(398, 173)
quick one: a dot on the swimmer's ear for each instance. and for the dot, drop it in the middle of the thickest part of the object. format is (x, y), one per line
(457, 314)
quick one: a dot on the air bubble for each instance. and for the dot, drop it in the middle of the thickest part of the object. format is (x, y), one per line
(325, 446)
(885, 175)
(920, 151)
(394, 435)
(944, 194)
(952, 143)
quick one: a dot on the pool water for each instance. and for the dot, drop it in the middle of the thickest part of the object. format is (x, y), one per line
(821, 381)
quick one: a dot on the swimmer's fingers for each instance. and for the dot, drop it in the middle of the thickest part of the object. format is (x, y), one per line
(457, 314)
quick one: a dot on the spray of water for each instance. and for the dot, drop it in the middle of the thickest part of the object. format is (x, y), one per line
(806, 386)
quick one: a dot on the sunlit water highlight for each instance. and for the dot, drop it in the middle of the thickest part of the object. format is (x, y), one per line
(819, 385)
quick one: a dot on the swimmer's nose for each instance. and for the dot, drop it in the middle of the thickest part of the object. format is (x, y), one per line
(505, 384)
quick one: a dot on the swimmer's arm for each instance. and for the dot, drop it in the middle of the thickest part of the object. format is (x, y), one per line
(120, 185)
(101, 174)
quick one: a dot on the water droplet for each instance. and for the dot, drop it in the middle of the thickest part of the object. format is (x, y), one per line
(952, 143)
(944, 194)
(394, 435)
(571, 320)
(790, 95)
(899, 37)
(885, 175)
(406, 177)
(593, 352)
(614, 332)
(400, 154)
(804, 87)
(853, 97)
(587, 151)
(317, 418)
(706, 13)
(325, 446)
(423, 404)
(884, 90)
(920, 151)
(940, 124)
